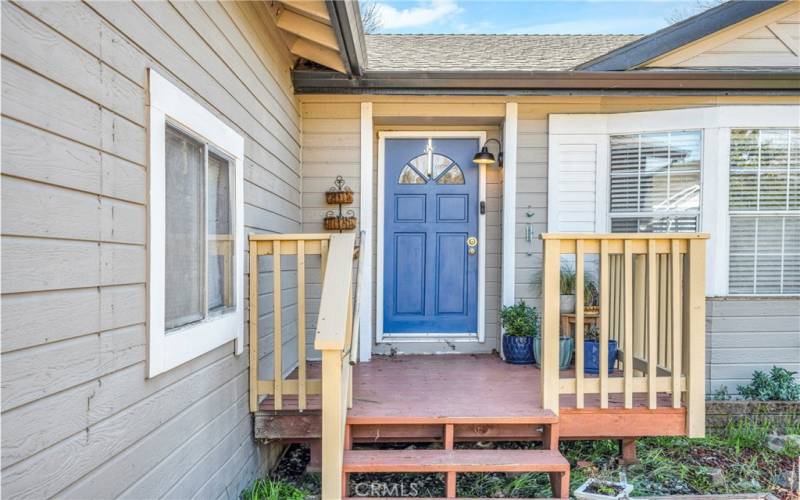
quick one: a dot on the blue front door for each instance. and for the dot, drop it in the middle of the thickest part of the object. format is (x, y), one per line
(430, 237)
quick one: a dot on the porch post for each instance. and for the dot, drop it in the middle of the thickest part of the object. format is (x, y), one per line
(695, 337)
(509, 205)
(548, 377)
(365, 254)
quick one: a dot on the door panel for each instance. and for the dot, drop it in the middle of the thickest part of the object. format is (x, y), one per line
(409, 251)
(431, 210)
(452, 266)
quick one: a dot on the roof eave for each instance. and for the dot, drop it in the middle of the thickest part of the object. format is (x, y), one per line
(349, 30)
(542, 82)
(677, 35)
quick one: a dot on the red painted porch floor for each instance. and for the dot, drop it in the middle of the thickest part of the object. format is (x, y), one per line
(482, 388)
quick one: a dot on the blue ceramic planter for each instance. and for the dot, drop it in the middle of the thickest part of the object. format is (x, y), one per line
(591, 356)
(518, 350)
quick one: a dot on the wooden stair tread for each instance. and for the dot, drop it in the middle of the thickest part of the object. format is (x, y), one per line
(458, 460)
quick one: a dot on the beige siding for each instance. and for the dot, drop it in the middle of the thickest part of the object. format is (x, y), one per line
(771, 39)
(79, 419)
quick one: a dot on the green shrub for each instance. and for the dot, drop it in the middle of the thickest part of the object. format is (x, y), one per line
(520, 320)
(267, 489)
(721, 394)
(778, 385)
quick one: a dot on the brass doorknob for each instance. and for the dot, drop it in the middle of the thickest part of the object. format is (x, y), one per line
(472, 244)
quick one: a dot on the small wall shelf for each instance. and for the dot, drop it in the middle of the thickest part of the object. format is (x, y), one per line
(340, 195)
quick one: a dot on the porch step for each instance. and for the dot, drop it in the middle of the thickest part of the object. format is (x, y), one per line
(461, 460)
(458, 460)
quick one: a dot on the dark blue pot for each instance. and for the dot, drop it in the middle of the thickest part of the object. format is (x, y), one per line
(591, 356)
(518, 350)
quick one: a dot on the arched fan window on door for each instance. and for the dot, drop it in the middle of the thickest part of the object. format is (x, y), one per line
(436, 167)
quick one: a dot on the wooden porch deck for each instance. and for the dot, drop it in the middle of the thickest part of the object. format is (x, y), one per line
(491, 399)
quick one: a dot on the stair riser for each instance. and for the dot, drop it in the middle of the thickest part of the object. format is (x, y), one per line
(434, 433)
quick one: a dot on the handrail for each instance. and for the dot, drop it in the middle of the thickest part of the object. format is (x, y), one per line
(652, 302)
(333, 310)
(336, 335)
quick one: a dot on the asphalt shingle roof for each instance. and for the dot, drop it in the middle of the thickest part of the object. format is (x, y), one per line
(487, 52)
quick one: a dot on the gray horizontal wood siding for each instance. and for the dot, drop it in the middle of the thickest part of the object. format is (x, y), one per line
(748, 334)
(79, 418)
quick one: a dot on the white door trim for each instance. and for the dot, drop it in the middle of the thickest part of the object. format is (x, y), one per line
(428, 337)
(365, 255)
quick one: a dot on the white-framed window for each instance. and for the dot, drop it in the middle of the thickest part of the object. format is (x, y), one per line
(196, 232)
(764, 211)
(654, 182)
(735, 175)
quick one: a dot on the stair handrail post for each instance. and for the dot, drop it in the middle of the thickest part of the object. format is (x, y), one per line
(332, 336)
(550, 323)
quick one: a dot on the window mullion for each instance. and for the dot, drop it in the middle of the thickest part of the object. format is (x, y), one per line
(204, 199)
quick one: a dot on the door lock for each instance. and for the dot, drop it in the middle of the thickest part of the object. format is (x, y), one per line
(472, 245)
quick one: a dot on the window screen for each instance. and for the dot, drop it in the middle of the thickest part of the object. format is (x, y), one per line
(764, 203)
(185, 165)
(198, 182)
(220, 234)
(655, 182)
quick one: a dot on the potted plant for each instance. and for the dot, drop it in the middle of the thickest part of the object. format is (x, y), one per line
(520, 323)
(567, 288)
(591, 351)
(591, 294)
(566, 346)
(598, 489)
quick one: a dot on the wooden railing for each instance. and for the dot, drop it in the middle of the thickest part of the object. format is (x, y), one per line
(652, 302)
(336, 335)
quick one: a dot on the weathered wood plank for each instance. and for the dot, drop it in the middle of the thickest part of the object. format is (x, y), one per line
(37, 372)
(30, 98)
(29, 41)
(35, 154)
(41, 264)
(35, 209)
(32, 319)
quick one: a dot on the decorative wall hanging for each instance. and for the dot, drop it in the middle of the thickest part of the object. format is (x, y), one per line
(339, 195)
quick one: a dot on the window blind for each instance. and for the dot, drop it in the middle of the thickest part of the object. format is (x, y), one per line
(764, 203)
(655, 182)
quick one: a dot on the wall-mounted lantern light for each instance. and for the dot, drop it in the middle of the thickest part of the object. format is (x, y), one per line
(484, 157)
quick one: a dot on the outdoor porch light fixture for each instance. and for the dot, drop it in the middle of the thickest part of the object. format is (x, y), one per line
(484, 157)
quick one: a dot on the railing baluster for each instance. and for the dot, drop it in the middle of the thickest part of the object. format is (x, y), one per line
(652, 324)
(675, 289)
(301, 325)
(253, 326)
(277, 349)
(604, 321)
(640, 307)
(663, 311)
(579, 303)
(627, 352)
